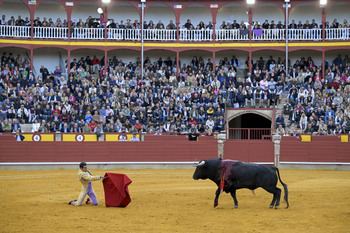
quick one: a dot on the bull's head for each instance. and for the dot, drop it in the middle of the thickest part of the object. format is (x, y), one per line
(200, 172)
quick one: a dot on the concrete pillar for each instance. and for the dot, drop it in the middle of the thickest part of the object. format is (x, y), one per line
(58, 136)
(221, 142)
(277, 148)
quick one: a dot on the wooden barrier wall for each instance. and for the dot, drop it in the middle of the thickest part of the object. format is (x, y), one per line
(320, 149)
(249, 150)
(152, 151)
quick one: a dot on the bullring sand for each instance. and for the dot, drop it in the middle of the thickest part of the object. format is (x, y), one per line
(171, 201)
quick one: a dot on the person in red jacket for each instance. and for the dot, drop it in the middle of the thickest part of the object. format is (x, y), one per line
(92, 125)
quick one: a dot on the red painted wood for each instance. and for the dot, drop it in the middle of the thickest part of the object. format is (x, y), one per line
(249, 151)
(107, 151)
(315, 151)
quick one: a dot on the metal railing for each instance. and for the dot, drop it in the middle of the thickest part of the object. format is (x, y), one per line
(249, 133)
(337, 34)
(50, 33)
(231, 34)
(305, 34)
(7, 31)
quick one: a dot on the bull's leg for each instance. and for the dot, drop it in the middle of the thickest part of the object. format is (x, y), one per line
(216, 200)
(276, 196)
(233, 194)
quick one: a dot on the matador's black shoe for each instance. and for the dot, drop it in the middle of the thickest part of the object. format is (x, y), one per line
(72, 202)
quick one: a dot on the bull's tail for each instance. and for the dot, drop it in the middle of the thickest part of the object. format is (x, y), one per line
(284, 186)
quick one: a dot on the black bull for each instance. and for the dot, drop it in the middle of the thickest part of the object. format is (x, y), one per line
(232, 175)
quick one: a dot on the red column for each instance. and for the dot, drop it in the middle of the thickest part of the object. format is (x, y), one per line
(31, 58)
(250, 62)
(68, 63)
(214, 32)
(323, 64)
(213, 62)
(323, 25)
(106, 62)
(177, 32)
(250, 18)
(31, 25)
(105, 19)
(177, 64)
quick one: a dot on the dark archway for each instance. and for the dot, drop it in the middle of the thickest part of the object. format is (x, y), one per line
(249, 126)
(250, 120)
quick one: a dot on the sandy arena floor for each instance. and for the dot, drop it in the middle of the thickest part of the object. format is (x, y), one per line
(171, 201)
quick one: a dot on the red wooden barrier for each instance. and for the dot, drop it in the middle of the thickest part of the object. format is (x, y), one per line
(314, 151)
(107, 151)
(249, 151)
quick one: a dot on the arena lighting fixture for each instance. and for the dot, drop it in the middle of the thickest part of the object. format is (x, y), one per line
(287, 1)
(323, 2)
(106, 1)
(250, 2)
(99, 10)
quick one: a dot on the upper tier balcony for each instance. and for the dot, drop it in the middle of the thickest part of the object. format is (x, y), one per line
(183, 35)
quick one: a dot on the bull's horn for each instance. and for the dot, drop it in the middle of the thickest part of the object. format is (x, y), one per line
(200, 164)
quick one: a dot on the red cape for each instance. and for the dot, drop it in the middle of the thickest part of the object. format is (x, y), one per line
(116, 190)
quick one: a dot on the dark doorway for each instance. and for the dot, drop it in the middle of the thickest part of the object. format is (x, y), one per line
(249, 126)
(250, 120)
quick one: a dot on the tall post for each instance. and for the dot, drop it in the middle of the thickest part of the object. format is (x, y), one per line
(142, 17)
(286, 28)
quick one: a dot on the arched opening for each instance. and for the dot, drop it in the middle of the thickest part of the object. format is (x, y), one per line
(15, 9)
(50, 58)
(304, 12)
(232, 13)
(83, 58)
(339, 12)
(235, 57)
(249, 126)
(203, 57)
(86, 14)
(196, 13)
(270, 12)
(121, 12)
(53, 13)
(160, 14)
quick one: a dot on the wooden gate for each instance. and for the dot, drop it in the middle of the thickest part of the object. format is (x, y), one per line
(258, 151)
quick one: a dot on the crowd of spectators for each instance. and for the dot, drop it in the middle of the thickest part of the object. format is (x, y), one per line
(195, 101)
(188, 31)
(315, 105)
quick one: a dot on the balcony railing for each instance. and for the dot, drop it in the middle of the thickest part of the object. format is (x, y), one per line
(159, 34)
(88, 33)
(50, 33)
(231, 34)
(337, 34)
(182, 35)
(249, 133)
(196, 35)
(305, 34)
(14, 31)
(269, 34)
